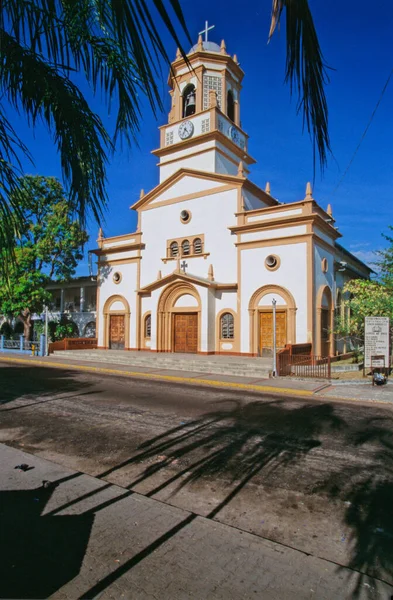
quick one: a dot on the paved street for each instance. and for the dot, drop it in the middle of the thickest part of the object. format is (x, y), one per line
(224, 494)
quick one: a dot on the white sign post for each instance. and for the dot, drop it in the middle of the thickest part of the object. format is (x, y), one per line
(376, 341)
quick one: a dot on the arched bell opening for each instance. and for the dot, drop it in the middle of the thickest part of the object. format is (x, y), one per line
(189, 101)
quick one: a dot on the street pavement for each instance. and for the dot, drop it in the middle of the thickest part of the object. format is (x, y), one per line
(82, 538)
(177, 491)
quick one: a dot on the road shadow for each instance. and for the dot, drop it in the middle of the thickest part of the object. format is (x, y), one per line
(243, 441)
(40, 553)
(368, 495)
(36, 384)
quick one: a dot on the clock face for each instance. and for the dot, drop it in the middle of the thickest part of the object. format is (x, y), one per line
(234, 134)
(186, 129)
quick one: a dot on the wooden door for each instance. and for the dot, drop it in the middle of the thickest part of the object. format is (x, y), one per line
(266, 330)
(116, 332)
(325, 332)
(185, 332)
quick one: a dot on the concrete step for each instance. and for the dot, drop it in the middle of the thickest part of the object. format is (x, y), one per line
(246, 367)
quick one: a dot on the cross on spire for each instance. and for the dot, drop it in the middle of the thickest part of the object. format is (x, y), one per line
(207, 28)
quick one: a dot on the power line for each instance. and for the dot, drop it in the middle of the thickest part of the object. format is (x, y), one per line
(364, 132)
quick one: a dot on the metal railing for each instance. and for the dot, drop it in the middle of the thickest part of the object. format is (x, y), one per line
(11, 344)
(303, 365)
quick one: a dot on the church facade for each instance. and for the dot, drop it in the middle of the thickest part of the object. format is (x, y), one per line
(212, 251)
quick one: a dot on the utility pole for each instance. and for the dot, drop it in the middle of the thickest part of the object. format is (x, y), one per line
(274, 302)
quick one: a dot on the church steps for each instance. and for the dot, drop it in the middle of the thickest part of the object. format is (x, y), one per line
(219, 365)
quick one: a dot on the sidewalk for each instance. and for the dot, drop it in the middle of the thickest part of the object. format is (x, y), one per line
(82, 537)
(352, 390)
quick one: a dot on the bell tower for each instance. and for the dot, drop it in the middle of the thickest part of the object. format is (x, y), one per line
(204, 130)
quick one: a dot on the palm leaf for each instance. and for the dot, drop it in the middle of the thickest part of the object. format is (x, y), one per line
(305, 70)
(116, 44)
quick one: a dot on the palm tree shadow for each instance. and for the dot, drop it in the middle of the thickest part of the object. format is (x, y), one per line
(43, 382)
(368, 495)
(41, 553)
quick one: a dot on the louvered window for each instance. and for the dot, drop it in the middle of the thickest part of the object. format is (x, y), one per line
(185, 247)
(197, 246)
(148, 326)
(227, 326)
(174, 249)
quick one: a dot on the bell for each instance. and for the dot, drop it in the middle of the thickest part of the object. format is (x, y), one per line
(190, 104)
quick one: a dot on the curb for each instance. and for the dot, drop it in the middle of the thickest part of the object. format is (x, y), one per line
(315, 394)
(173, 378)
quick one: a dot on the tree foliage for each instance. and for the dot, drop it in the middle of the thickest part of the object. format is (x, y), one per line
(49, 246)
(116, 47)
(366, 298)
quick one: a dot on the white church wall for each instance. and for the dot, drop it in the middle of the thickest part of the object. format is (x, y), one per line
(252, 202)
(321, 278)
(187, 151)
(119, 255)
(201, 162)
(270, 234)
(274, 215)
(186, 300)
(326, 238)
(186, 185)
(292, 275)
(211, 216)
(126, 288)
(224, 165)
(211, 326)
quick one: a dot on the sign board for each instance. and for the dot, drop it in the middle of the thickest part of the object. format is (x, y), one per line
(376, 340)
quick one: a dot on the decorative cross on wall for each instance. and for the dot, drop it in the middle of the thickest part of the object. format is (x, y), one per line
(207, 28)
(183, 266)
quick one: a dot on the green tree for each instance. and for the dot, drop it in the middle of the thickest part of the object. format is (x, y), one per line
(116, 47)
(48, 247)
(384, 263)
(369, 298)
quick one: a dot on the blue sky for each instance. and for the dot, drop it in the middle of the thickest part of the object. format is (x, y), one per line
(355, 37)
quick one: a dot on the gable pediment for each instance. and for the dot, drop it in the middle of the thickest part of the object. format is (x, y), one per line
(186, 184)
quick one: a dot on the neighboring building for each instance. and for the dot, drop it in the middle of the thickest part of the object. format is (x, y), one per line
(212, 250)
(76, 298)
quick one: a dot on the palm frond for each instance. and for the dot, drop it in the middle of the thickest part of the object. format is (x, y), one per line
(31, 84)
(306, 70)
(117, 46)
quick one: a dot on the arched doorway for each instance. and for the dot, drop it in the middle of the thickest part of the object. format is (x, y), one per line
(179, 319)
(325, 322)
(261, 319)
(116, 323)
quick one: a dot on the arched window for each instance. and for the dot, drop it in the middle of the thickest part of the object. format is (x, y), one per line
(148, 326)
(197, 246)
(230, 105)
(227, 327)
(189, 100)
(174, 249)
(185, 248)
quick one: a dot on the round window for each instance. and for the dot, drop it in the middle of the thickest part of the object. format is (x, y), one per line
(272, 262)
(325, 265)
(117, 277)
(185, 216)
